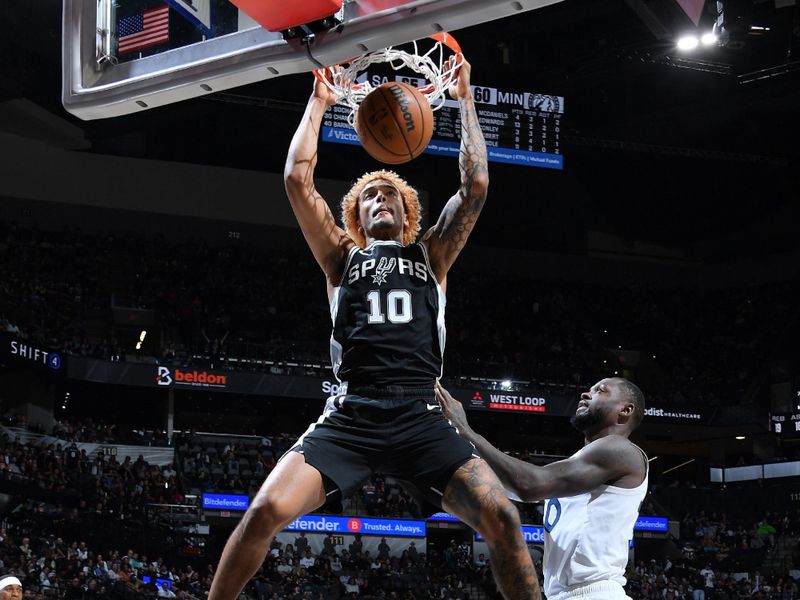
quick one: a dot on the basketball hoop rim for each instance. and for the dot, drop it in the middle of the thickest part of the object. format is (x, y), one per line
(443, 37)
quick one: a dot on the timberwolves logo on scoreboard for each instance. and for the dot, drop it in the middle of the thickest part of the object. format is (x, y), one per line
(544, 102)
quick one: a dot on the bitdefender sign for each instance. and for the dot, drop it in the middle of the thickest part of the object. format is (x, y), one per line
(353, 525)
(225, 501)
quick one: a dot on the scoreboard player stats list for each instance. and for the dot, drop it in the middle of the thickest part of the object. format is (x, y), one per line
(521, 128)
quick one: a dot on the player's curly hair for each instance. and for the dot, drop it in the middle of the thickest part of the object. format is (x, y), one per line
(410, 203)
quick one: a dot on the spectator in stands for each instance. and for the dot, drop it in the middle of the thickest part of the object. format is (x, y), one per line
(164, 591)
(336, 564)
(413, 556)
(356, 546)
(74, 590)
(301, 543)
(699, 338)
(284, 568)
(766, 532)
(307, 561)
(328, 546)
(383, 549)
(708, 575)
(352, 587)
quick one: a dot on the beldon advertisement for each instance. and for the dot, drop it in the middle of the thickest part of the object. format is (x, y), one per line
(190, 378)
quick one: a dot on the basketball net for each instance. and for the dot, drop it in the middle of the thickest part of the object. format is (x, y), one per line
(431, 65)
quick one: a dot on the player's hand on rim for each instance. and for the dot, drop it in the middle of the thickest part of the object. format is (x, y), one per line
(460, 89)
(321, 89)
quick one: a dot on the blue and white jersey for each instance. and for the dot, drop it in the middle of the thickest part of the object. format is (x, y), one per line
(587, 536)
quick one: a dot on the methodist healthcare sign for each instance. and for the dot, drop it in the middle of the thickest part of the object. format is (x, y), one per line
(353, 525)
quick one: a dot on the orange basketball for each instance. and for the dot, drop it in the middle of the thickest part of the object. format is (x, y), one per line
(394, 123)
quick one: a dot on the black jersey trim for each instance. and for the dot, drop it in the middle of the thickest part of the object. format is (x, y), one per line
(350, 254)
(427, 261)
(441, 326)
(333, 308)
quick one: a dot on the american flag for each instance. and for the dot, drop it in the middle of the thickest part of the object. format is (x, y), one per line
(143, 29)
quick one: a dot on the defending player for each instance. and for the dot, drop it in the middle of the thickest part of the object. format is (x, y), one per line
(593, 497)
(10, 588)
(387, 301)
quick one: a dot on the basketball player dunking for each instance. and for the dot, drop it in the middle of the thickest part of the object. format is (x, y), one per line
(387, 302)
(593, 497)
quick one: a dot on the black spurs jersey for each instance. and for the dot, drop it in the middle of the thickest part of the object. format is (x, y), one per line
(388, 317)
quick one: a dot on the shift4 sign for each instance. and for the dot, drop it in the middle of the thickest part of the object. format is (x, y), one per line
(24, 351)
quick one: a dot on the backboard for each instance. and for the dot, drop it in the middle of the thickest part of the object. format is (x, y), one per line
(126, 56)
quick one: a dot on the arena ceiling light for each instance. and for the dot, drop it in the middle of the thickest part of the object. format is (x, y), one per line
(688, 43)
(691, 41)
(505, 384)
(141, 339)
(709, 38)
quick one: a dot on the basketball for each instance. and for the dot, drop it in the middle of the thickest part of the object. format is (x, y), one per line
(394, 123)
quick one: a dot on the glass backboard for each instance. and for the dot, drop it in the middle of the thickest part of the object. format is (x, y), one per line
(125, 56)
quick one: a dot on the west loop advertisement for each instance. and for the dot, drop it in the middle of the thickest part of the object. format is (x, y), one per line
(496, 400)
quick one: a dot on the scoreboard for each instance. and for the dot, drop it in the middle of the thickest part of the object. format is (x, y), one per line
(785, 424)
(521, 128)
(788, 424)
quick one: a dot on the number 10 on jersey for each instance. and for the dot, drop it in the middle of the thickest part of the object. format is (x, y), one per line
(394, 306)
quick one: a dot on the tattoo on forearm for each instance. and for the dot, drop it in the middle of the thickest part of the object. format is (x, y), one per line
(472, 157)
(460, 218)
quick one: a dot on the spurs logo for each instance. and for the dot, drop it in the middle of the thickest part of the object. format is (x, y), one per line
(385, 266)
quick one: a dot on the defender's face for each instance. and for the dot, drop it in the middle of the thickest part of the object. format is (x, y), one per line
(11, 592)
(598, 406)
(380, 208)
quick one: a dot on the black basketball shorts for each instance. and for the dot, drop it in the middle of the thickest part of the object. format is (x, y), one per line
(400, 432)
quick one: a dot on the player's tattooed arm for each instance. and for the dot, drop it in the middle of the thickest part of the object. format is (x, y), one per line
(447, 238)
(328, 241)
(610, 460)
(462, 211)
